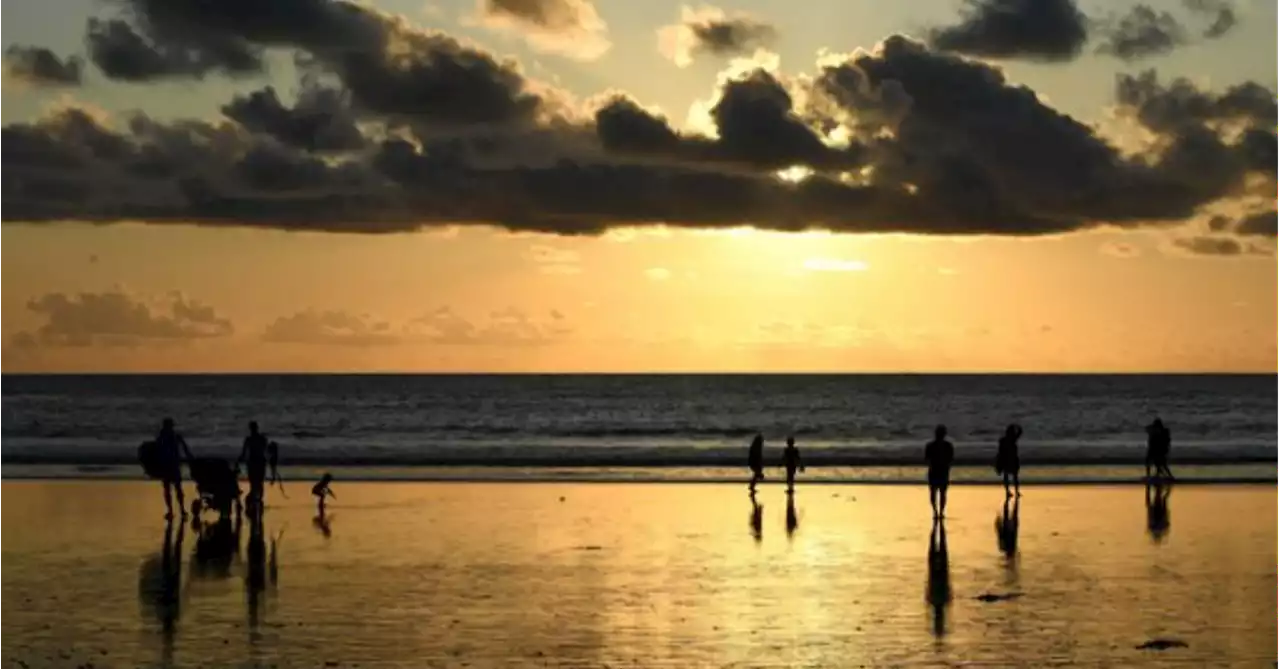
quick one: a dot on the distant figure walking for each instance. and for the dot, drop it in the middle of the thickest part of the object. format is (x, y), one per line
(254, 453)
(1159, 441)
(170, 448)
(939, 453)
(1007, 462)
(755, 460)
(791, 460)
(321, 490)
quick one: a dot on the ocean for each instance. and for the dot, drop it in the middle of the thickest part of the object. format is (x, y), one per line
(637, 425)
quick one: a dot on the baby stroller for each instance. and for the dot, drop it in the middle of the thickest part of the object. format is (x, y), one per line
(217, 485)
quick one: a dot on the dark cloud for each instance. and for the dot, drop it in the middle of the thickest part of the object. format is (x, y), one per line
(756, 122)
(1047, 30)
(330, 328)
(936, 144)
(1221, 15)
(39, 66)
(1143, 33)
(389, 67)
(122, 53)
(710, 31)
(116, 318)
(1211, 246)
(1261, 224)
(320, 120)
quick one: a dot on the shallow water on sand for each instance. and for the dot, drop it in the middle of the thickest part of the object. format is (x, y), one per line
(579, 574)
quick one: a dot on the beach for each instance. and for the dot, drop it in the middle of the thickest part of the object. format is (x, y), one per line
(583, 574)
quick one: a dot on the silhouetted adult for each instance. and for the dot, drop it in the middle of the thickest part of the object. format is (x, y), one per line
(938, 593)
(1159, 441)
(1007, 461)
(755, 460)
(254, 453)
(791, 460)
(939, 453)
(170, 449)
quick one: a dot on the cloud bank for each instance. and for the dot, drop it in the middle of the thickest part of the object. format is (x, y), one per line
(398, 128)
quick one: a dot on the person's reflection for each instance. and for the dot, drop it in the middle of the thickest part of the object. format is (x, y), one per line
(323, 522)
(217, 548)
(757, 520)
(939, 592)
(255, 580)
(160, 587)
(793, 522)
(1007, 535)
(1158, 511)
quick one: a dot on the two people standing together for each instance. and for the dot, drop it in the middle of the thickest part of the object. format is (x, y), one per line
(790, 461)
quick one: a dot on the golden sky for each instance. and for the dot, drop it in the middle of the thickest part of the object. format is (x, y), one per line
(1119, 218)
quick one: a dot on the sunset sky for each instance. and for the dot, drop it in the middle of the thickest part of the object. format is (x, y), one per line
(609, 185)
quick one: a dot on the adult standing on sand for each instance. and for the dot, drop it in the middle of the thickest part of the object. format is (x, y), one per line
(755, 460)
(791, 461)
(1159, 441)
(254, 453)
(170, 448)
(1007, 461)
(939, 453)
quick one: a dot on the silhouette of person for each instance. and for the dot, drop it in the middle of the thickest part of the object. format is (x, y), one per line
(757, 520)
(1158, 511)
(755, 460)
(1007, 461)
(160, 587)
(939, 453)
(321, 490)
(254, 453)
(1159, 441)
(170, 450)
(939, 591)
(791, 460)
(793, 521)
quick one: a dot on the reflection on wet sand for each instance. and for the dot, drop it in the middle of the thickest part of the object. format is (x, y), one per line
(1007, 538)
(160, 588)
(757, 519)
(1158, 511)
(939, 591)
(793, 521)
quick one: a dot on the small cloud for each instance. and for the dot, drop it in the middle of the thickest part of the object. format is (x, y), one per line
(552, 260)
(658, 273)
(710, 31)
(115, 318)
(834, 265)
(571, 28)
(329, 327)
(1120, 250)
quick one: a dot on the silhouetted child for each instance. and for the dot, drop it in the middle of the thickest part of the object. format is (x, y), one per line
(321, 490)
(791, 460)
(939, 453)
(755, 460)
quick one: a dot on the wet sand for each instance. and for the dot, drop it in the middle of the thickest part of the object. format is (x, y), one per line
(591, 575)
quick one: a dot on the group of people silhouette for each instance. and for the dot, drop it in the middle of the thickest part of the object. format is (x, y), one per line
(940, 454)
(217, 482)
